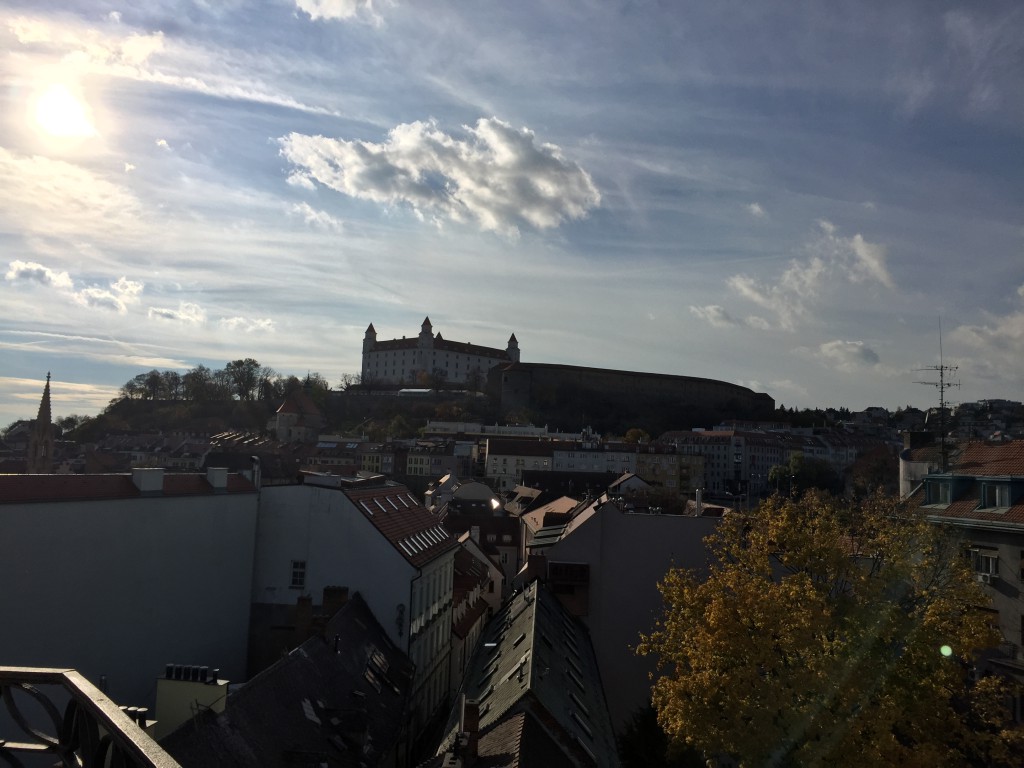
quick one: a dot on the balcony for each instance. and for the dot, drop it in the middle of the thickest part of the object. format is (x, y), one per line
(92, 731)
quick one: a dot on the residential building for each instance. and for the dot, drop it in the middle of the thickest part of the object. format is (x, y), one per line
(604, 565)
(118, 575)
(981, 497)
(340, 698)
(508, 458)
(376, 538)
(533, 693)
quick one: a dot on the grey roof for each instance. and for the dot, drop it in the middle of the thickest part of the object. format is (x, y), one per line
(338, 700)
(536, 658)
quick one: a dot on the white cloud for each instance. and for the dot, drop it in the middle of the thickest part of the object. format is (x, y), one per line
(756, 211)
(831, 257)
(162, 143)
(30, 271)
(117, 297)
(247, 325)
(54, 197)
(186, 313)
(316, 218)
(128, 167)
(497, 177)
(715, 315)
(1020, 291)
(847, 355)
(333, 9)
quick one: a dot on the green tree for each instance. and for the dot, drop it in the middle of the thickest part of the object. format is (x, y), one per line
(637, 435)
(815, 640)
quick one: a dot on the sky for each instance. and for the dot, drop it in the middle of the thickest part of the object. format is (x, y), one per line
(794, 197)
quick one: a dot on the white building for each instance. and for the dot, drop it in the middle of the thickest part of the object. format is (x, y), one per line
(406, 360)
(376, 539)
(119, 575)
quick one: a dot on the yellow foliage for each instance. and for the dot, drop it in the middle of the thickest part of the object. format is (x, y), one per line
(816, 640)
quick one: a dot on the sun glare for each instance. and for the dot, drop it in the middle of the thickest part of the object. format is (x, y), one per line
(61, 114)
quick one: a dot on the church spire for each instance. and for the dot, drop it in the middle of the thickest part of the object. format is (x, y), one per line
(40, 441)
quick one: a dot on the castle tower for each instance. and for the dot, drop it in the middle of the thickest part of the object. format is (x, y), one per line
(370, 339)
(39, 460)
(426, 335)
(513, 349)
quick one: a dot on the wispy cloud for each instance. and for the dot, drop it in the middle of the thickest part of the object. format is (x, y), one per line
(831, 257)
(497, 177)
(247, 325)
(333, 9)
(847, 355)
(755, 210)
(317, 218)
(715, 315)
(996, 347)
(187, 313)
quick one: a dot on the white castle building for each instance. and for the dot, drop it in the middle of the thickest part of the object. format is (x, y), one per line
(420, 360)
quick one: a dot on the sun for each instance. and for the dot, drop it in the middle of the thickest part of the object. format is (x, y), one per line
(61, 114)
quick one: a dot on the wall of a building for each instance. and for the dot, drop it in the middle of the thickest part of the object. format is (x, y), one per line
(340, 547)
(628, 555)
(120, 588)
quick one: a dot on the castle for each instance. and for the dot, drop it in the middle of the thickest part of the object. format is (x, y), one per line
(428, 359)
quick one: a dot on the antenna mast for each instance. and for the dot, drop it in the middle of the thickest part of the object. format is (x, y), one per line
(942, 385)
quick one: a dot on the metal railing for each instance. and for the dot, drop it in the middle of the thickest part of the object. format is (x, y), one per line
(91, 732)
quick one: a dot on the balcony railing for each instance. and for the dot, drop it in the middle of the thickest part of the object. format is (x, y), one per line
(91, 732)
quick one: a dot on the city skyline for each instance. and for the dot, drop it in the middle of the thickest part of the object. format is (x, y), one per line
(788, 199)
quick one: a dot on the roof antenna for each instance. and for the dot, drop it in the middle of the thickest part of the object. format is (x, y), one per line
(942, 385)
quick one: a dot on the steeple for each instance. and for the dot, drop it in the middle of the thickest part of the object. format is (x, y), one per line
(40, 442)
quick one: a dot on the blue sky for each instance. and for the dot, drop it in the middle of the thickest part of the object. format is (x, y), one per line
(789, 196)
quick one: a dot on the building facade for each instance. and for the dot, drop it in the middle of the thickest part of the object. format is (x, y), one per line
(430, 359)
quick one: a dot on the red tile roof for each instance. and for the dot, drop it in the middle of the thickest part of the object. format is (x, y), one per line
(25, 489)
(414, 531)
(989, 459)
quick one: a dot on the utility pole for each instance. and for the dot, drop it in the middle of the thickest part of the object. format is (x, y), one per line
(944, 371)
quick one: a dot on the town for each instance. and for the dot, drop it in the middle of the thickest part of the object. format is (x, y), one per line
(448, 559)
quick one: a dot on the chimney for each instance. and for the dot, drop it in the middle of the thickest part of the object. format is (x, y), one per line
(303, 618)
(334, 600)
(469, 725)
(217, 477)
(149, 481)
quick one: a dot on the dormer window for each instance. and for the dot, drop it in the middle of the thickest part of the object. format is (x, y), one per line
(939, 492)
(995, 494)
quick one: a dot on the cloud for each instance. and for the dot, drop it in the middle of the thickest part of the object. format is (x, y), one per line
(830, 257)
(714, 315)
(129, 167)
(847, 355)
(247, 325)
(317, 219)
(997, 346)
(54, 197)
(187, 313)
(30, 271)
(162, 143)
(333, 9)
(756, 211)
(497, 177)
(788, 298)
(116, 298)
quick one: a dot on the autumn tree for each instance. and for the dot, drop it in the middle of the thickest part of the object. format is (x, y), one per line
(815, 640)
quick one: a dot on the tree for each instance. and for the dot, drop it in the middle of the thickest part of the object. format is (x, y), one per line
(637, 435)
(244, 377)
(815, 640)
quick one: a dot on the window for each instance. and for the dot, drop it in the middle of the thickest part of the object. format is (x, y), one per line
(298, 574)
(995, 495)
(985, 561)
(939, 493)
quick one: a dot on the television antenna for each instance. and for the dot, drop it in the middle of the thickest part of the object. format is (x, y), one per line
(945, 372)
